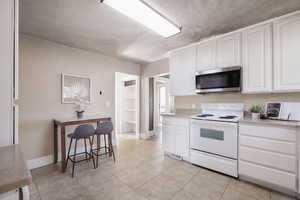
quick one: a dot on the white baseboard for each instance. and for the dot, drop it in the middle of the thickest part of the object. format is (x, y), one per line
(39, 162)
(147, 135)
(47, 160)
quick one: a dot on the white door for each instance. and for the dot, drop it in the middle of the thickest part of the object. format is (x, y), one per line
(206, 55)
(228, 50)
(257, 59)
(182, 141)
(168, 136)
(182, 72)
(286, 54)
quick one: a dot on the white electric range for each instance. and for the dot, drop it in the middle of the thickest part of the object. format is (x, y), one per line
(214, 137)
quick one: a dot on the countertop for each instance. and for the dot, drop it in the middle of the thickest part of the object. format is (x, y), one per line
(185, 113)
(270, 122)
(181, 113)
(13, 169)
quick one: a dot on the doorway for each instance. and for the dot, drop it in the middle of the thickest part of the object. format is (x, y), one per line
(127, 105)
(163, 101)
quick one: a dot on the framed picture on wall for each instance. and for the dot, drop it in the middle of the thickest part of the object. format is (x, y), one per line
(76, 89)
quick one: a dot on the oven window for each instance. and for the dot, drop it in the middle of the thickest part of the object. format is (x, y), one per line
(212, 134)
(228, 79)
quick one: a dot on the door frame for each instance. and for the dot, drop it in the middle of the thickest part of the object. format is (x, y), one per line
(118, 101)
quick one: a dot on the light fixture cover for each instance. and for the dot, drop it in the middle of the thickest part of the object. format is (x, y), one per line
(144, 14)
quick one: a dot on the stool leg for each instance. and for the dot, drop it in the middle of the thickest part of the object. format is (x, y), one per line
(92, 155)
(85, 149)
(74, 157)
(98, 149)
(111, 149)
(69, 151)
(91, 150)
(105, 147)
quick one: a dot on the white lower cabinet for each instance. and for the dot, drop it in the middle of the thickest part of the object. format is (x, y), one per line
(175, 136)
(267, 153)
(168, 138)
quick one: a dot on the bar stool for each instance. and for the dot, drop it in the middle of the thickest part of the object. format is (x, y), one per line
(104, 129)
(84, 132)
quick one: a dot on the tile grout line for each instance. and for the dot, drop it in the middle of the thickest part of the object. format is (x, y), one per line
(229, 182)
(185, 184)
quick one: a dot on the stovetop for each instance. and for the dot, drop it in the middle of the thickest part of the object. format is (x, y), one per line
(212, 117)
(220, 112)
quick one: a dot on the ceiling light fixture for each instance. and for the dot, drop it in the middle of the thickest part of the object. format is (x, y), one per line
(141, 12)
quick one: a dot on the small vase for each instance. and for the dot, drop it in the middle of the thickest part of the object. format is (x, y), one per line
(256, 116)
(79, 114)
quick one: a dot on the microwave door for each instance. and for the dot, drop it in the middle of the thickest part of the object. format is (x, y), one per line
(221, 80)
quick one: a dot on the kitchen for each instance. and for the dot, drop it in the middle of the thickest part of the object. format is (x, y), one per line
(150, 100)
(224, 78)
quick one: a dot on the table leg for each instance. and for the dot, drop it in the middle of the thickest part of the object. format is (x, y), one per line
(55, 142)
(63, 148)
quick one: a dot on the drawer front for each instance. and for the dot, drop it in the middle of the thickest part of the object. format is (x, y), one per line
(273, 176)
(271, 159)
(278, 133)
(217, 163)
(267, 144)
(175, 121)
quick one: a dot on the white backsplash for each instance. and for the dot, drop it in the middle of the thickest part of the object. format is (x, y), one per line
(188, 101)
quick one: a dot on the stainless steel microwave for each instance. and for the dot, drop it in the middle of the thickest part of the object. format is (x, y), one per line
(219, 80)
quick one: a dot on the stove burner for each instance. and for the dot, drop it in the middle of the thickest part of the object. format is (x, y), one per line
(228, 117)
(205, 115)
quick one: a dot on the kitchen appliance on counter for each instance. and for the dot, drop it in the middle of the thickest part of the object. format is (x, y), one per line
(214, 137)
(289, 111)
(219, 80)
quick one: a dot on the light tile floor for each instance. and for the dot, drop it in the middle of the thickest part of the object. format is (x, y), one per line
(142, 172)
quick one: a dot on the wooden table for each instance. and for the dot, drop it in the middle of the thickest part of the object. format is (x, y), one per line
(63, 123)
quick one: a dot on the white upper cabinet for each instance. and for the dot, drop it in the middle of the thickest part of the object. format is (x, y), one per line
(182, 72)
(206, 55)
(257, 59)
(228, 50)
(287, 54)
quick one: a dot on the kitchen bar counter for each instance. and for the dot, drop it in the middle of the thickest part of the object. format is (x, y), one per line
(14, 173)
(270, 122)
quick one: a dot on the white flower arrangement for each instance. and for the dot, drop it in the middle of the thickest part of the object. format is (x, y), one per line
(81, 104)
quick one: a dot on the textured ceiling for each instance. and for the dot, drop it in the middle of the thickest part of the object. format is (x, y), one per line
(89, 25)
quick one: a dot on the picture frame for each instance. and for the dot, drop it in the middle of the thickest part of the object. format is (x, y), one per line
(75, 89)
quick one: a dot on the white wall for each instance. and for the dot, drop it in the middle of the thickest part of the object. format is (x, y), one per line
(6, 75)
(155, 68)
(41, 65)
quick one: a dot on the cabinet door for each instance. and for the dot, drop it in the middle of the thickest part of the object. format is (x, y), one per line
(182, 72)
(206, 55)
(182, 141)
(168, 138)
(228, 50)
(286, 54)
(257, 59)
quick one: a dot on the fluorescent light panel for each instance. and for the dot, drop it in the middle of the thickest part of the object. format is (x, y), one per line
(142, 13)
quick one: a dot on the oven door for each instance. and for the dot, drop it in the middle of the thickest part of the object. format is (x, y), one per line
(219, 80)
(218, 138)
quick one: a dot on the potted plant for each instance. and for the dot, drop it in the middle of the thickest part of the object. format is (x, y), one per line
(256, 110)
(81, 105)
